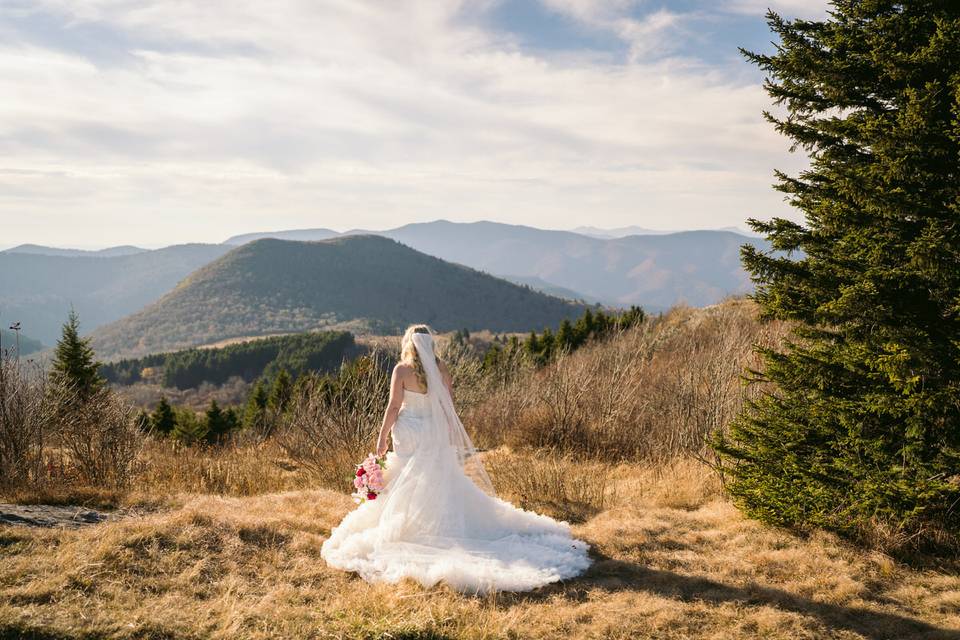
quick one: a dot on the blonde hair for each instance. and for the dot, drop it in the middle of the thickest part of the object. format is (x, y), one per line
(408, 351)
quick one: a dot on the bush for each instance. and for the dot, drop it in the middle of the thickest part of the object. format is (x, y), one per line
(101, 434)
(25, 418)
(331, 423)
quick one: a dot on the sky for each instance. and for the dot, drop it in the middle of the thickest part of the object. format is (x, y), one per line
(154, 122)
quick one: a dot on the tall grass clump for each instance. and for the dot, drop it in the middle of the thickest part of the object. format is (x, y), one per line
(648, 393)
(331, 423)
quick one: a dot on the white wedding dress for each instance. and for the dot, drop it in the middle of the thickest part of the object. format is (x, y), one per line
(438, 521)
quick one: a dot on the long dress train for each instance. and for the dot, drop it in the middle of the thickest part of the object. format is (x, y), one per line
(434, 523)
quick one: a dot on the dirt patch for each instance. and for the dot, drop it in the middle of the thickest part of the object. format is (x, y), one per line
(45, 515)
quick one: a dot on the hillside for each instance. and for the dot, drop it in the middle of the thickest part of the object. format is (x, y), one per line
(656, 270)
(38, 290)
(8, 340)
(224, 542)
(296, 354)
(362, 282)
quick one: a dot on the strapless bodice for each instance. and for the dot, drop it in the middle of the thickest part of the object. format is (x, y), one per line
(414, 403)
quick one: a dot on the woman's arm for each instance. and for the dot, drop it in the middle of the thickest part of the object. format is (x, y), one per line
(393, 408)
(447, 379)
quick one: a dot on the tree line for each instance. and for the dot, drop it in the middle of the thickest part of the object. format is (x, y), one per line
(265, 357)
(542, 347)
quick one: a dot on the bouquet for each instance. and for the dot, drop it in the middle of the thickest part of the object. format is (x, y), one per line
(368, 480)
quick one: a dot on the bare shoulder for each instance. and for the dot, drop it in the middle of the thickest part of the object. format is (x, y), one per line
(402, 370)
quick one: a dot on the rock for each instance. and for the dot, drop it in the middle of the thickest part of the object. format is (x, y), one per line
(45, 515)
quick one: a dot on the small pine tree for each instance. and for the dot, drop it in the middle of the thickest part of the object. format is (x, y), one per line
(74, 362)
(217, 422)
(162, 420)
(255, 413)
(547, 345)
(189, 428)
(492, 358)
(532, 346)
(280, 392)
(565, 336)
(584, 327)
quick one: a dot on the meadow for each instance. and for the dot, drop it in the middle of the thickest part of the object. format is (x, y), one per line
(224, 542)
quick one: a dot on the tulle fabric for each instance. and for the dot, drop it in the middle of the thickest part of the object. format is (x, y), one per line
(433, 523)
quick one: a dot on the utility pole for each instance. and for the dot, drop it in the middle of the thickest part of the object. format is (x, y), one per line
(16, 329)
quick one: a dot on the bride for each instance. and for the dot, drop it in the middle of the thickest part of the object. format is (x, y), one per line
(438, 518)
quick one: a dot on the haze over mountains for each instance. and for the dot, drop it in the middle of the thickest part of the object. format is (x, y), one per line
(109, 252)
(360, 282)
(654, 271)
(39, 284)
(39, 289)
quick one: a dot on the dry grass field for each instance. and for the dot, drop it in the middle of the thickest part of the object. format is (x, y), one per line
(225, 542)
(672, 559)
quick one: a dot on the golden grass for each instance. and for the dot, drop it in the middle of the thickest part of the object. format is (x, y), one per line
(224, 542)
(672, 559)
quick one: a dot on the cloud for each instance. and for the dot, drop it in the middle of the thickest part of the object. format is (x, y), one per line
(787, 8)
(199, 120)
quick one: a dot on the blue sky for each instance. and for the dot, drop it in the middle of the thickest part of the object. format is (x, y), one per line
(153, 122)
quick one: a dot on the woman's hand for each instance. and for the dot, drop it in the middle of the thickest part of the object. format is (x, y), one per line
(381, 448)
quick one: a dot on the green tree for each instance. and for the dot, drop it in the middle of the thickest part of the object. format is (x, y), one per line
(861, 423)
(565, 336)
(533, 346)
(163, 420)
(255, 413)
(280, 392)
(189, 429)
(218, 423)
(74, 362)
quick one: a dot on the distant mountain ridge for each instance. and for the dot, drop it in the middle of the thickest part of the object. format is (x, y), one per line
(654, 271)
(302, 235)
(109, 252)
(354, 282)
(38, 289)
(8, 341)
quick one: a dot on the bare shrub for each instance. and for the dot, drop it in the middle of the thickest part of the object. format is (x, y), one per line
(650, 393)
(330, 425)
(25, 416)
(100, 435)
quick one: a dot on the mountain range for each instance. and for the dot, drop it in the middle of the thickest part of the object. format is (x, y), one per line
(38, 289)
(38, 285)
(361, 282)
(654, 271)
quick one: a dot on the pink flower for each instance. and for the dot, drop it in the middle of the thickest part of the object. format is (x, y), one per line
(358, 483)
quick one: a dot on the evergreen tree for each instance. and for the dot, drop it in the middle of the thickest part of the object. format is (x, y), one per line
(547, 346)
(232, 419)
(280, 392)
(861, 423)
(255, 413)
(218, 423)
(163, 419)
(565, 337)
(74, 362)
(188, 429)
(533, 346)
(584, 327)
(493, 358)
